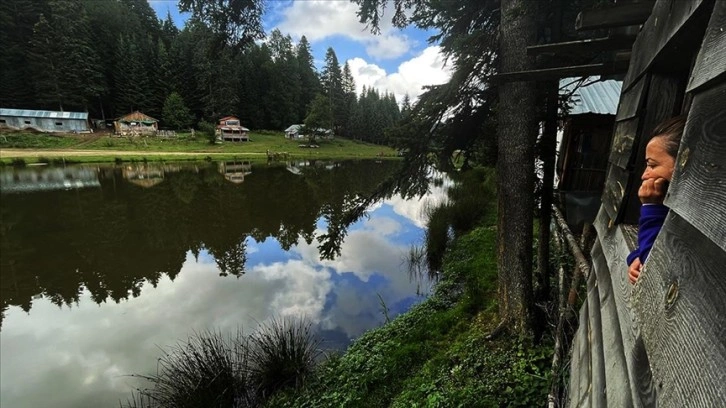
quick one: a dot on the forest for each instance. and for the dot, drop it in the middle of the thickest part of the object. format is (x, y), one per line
(112, 57)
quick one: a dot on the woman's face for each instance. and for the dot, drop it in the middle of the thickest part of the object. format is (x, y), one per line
(658, 163)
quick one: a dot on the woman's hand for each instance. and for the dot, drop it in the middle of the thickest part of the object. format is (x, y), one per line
(652, 191)
(634, 270)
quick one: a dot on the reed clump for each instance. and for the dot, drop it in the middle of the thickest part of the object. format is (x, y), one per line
(211, 369)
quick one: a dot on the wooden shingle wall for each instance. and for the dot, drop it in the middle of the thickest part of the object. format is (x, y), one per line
(662, 342)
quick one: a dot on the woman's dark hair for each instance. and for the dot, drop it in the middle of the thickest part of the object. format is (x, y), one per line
(671, 131)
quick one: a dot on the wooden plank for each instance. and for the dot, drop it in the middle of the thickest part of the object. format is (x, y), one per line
(616, 370)
(617, 15)
(573, 392)
(669, 18)
(624, 136)
(585, 368)
(615, 67)
(617, 241)
(698, 190)
(631, 100)
(711, 60)
(613, 192)
(597, 358)
(583, 46)
(679, 300)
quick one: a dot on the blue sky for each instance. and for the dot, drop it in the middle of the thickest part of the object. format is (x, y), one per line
(397, 61)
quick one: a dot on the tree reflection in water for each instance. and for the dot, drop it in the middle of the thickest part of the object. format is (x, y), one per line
(114, 237)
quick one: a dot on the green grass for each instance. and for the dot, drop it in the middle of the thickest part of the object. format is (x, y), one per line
(38, 141)
(260, 145)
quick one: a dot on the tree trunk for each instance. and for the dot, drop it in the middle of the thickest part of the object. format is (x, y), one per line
(547, 155)
(517, 129)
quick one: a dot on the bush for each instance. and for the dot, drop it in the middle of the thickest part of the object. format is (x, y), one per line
(208, 130)
(213, 370)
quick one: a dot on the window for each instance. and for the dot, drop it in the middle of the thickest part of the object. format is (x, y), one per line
(59, 123)
(27, 122)
(2, 121)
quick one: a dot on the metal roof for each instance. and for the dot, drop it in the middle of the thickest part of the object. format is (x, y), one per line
(27, 113)
(590, 95)
(136, 116)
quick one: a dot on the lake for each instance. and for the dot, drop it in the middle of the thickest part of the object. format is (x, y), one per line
(104, 267)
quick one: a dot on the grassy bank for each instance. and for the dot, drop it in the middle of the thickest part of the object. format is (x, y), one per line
(436, 355)
(105, 148)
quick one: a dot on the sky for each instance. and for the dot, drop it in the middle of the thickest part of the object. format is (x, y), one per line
(396, 61)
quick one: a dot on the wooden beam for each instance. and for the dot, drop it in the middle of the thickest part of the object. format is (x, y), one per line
(588, 45)
(617, 67)
(711, 60)
(618, 15)
(670, 22)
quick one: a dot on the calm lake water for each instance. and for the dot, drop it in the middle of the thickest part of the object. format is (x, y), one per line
(103, 267)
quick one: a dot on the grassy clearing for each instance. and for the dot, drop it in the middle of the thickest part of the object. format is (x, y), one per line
(152, 148)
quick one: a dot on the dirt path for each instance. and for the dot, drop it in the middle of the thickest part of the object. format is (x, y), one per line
(10, 153)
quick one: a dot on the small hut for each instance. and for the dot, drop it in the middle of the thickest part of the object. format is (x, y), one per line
(585, 145)
(298, 132)
(136, 123)
(229, 128)
(44, 121)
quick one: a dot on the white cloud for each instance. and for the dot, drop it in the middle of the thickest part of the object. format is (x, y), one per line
(428, 68)
(318, 20)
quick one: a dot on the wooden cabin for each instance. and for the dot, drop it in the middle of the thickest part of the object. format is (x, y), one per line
(295, 132)
(584, 143)
(44, 121)
(662, 341)
(298, 132)
(136, 124)
(229, 128)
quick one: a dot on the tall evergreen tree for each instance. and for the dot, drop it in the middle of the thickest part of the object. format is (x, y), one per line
(175, 113)
(331, 79)
(67, 71)
(283, 97)
(255, 79)
(349, 99)
(309, 80)
(131, 78)
(17, 19)
(169, 31)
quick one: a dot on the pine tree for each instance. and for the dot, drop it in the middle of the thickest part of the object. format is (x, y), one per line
(349, 99)
(283, 98)
(309, 80)
(131, 80)
(67, 71)
(175, 113)
(17, 19)
(331, 79)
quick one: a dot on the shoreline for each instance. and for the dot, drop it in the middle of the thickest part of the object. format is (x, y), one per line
(9, 155)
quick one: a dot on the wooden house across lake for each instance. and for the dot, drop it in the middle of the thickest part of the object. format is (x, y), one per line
(136, 123)
(44, 121)
(229, 128)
